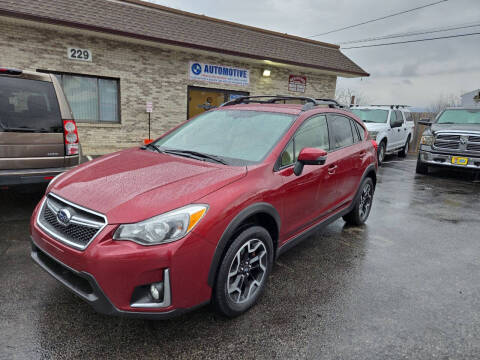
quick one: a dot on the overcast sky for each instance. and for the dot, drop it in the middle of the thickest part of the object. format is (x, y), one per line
(414, 74)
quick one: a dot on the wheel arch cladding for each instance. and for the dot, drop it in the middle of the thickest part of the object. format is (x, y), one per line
(262, 214)
(371, 173)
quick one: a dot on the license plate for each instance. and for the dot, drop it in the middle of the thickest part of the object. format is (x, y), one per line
(459, 160)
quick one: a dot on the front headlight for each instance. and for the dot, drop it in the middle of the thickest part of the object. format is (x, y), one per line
(164, 228)
(373, 135)
(427, 140)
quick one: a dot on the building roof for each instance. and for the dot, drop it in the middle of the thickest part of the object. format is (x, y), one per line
(147, 21)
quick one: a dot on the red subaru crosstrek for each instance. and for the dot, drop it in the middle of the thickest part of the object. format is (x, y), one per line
(200, 214)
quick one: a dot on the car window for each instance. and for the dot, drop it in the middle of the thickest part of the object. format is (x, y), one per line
(408, 116)
(356, 135)
(287, 155)
(28, 106)
(312, 133)
(341, 131)
(393, 118)
(399, 117)
(361, 130)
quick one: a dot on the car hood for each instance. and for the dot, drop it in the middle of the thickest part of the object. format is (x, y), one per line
(134, 185)
(375, 126)
(467, 128)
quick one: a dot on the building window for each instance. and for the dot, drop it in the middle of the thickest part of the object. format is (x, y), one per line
(92, 99)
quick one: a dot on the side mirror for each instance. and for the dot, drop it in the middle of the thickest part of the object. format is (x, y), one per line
(425, 122)
(309, 156)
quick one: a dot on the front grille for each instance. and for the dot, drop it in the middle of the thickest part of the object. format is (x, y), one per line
(474, 139)
(447, 145)
(79, 231)
(448, 137)
(473, 147)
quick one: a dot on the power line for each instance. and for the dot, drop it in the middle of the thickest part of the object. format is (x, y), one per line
(411, 33)
(411, 41)
(380, 18)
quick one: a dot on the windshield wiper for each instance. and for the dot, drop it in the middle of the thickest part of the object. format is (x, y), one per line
(153, 146)
(195, 155)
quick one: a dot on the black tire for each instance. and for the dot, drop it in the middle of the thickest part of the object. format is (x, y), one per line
(404, 152)
(223, 302)
(361, 209)
(422, 168)
(382, 148)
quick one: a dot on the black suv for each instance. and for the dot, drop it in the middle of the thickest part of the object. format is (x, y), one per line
(451, 140)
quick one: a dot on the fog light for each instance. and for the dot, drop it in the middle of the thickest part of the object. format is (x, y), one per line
(155, 290)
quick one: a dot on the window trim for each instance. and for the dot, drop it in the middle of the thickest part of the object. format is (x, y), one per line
(277, 166)
(97, 77)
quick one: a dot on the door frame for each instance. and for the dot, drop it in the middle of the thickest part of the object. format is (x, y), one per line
(226, 93)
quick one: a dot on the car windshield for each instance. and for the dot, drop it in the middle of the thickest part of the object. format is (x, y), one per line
(459, 116)
(372, 115)
(237, 136)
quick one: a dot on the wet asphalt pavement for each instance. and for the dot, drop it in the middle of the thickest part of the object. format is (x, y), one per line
(406, 285)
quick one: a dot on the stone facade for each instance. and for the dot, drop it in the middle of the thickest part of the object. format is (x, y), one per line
(146, 73)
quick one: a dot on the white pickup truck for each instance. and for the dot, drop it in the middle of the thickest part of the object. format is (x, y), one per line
(391, 126)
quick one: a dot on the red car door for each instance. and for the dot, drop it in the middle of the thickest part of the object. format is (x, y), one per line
(346, 153)
(308, 197)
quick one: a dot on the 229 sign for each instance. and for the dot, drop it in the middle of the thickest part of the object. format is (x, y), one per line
(79, 54)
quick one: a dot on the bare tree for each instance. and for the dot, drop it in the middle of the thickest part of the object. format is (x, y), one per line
(344, 96)
(442, 102)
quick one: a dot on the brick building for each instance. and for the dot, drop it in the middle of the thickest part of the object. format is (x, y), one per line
(112, 57)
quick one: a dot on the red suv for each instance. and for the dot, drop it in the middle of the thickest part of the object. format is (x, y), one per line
(200, 214)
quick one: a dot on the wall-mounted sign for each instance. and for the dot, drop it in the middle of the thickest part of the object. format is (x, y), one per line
(149, 106)
(297, 83)
(218, 73)
(79, 54)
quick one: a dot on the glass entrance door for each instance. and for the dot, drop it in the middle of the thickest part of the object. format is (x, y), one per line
(204, 99)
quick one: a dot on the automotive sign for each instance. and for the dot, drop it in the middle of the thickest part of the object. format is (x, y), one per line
(218, 74)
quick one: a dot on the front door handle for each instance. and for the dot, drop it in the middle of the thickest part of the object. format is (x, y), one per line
(331, 169)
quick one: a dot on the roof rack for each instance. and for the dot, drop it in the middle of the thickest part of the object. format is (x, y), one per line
(272, 99)
(388, 105)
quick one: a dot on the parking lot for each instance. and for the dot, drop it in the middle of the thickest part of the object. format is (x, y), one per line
(406, 285)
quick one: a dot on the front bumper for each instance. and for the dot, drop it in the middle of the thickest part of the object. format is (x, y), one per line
(113, 276)
(86, 287)
(443, 159)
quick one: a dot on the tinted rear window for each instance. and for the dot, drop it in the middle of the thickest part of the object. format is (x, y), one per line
(28, 106)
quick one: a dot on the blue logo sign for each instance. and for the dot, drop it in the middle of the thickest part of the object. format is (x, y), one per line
(218, 73)
(196, 68)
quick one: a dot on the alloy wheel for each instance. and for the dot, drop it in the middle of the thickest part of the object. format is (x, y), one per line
(365, 201)
(247, 271)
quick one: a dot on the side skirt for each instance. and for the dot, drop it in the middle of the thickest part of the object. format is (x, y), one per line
(307, 233)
